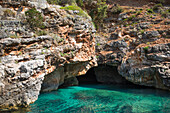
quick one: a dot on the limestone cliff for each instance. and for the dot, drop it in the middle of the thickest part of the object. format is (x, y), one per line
(43, 46)
(137, 42)
(64, 49)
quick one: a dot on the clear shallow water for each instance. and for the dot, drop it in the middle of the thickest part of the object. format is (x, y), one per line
(102, 98)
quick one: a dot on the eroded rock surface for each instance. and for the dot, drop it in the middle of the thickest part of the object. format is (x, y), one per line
(28, 60)
(43, 57)
(137, 42)
(148, 66)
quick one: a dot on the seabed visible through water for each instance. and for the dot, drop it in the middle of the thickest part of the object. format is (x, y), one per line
(102, 99)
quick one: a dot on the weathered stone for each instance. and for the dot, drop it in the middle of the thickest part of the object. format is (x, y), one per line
(149, 69)
(26, 60)
(53, 80)
(150, 34)
(145, 25)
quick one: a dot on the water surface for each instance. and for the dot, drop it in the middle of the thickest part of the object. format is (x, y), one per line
(103, 99)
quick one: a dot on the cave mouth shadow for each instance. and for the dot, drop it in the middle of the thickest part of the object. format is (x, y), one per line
(106, 75)
(103, 74)
(88, 78)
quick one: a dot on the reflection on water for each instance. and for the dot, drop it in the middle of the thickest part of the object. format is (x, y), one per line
(101, 99)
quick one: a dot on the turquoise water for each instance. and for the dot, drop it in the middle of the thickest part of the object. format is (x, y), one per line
(102, 99)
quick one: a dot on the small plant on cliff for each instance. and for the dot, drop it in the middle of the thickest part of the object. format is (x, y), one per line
(98, 44)
(34, 18)
(63, 54)
(142, 31)
(131, 17)
(76, 8)
(146, 48)
(149, 10)
(62, 2)
(16, 62)
(41, 32)
(53, 1)
(139, 12)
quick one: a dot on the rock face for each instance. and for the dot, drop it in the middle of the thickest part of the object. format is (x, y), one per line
(29, 61)
(136, 43)
(58, 46)
(148, 66)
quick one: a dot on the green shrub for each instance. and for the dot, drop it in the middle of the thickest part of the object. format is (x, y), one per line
(74, 7)
(146, 48)
(34, 18)
(97, 57)
(62, 2)
(53, 1)
(63, 54)
(149, 10)
(156, 6)
(165, 13)
(125, 19)
(41, 32)
(99, 13)
(42, 52)
(98, 44)
(135, 23)
(131, 17)
(139, 12)
(142, 31)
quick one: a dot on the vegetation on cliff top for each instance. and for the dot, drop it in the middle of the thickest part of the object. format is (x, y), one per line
(34, 18)
(99, 13)
(76, 8)
(62, 2)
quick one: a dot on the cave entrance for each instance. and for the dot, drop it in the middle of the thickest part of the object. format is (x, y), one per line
(88, 78)
(104, 74)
